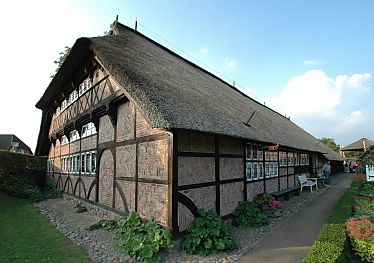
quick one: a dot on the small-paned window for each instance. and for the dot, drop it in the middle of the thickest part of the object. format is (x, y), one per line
(83, 163)
(88, 162)
(74, 135)
(88, 129)
(93, 163)
(290, 159)
(58, 110)
(86, 85)
(64, 140)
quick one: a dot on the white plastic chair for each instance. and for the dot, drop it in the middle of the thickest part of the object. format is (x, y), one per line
(307, 182)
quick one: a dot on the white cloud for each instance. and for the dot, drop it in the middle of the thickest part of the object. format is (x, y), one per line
(312, 62)
(316, 93)
(338, 107)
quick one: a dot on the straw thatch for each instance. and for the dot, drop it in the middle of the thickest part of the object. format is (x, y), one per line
(176, 94)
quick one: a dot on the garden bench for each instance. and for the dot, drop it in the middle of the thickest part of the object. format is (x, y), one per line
(285, 193)
(307, 182)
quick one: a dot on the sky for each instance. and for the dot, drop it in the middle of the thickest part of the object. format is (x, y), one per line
(311, 61)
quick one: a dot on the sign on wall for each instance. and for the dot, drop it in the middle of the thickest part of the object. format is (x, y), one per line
(369, 173)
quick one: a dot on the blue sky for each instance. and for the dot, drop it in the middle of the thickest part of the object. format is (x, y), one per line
(310, 60)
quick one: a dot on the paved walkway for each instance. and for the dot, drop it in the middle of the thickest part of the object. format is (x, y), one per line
(292, 241)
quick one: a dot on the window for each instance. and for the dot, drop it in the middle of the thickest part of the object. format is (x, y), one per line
(64, 104)
(290, 159)
(93, 163)
(88, 162)
(86, 85)
(88, 129)
(74, 135)
(282, 159)
(58, 111)
(64, 140)
(77, 160)
(83, 163)
(249, 171)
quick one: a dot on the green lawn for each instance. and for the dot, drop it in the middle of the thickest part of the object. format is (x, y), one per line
(27, 236)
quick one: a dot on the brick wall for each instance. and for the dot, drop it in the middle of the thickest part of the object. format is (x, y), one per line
(254, 189)
(230, 195)
(193, 170)
(89, 143)
(153, 202)
(126, 161)
(227, 146)
(153, 160)
(185, 217)
(143, 128)
(51, 153)
(74, 147)
(271, 185)
(188, 142)
(125, 122)
(283, 182)
(106, 130)
(128, 189)
(231, 168)
(106, 178)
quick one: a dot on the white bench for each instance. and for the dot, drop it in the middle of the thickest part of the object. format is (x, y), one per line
(307, 182)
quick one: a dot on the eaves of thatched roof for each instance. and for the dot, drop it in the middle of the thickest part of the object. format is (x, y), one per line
(177, 94)
(358, 145)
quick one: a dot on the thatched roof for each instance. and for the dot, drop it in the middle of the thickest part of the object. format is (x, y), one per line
(177, 94)
(358, 145)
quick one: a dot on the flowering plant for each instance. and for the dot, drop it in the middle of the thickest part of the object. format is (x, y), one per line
(361, 232)
(275, 204)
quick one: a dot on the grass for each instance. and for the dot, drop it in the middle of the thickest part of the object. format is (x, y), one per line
(27, 236)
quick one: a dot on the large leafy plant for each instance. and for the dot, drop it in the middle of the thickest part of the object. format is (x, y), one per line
(247, 214)
(142, 241)
(208, 234)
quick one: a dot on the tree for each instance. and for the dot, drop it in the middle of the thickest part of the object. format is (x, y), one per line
(330, 142)
(61, 59)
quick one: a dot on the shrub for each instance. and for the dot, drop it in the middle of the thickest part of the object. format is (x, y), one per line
(22, 188)
(263, 200)
(106, 224)
(247, 214)
(364, 205)
(361, 232)
(80, 208)
(332, 243)
(208, 234)
(367, 188)
(142, 241)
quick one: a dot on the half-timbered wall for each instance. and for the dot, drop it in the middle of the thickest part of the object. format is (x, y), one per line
(215, 173)
(133, 159)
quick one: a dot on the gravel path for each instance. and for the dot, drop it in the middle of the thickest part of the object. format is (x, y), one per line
(101, 247)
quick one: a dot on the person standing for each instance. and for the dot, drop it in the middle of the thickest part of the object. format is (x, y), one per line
(326, 170)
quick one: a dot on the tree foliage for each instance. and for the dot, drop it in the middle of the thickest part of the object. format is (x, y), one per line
(61, 59)
(330, 142)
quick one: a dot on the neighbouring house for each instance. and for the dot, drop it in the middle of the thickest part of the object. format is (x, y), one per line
(360, 145)
(10, 142)
(128, 125)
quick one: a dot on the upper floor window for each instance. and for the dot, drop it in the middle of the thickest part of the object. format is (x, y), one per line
(86, 85)
(58, 110)
(64, 140)
(88, 129)
(73, 97)
(64, 104)
(74, 135)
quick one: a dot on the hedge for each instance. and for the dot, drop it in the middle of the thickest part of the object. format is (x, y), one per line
(332, 244)
(22, 175)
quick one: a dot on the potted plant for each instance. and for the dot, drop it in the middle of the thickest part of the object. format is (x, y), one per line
(268, 204)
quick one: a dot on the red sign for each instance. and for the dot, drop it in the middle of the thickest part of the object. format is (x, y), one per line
(273, 148)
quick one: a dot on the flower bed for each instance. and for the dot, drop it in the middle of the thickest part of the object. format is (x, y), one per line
(361, 232)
